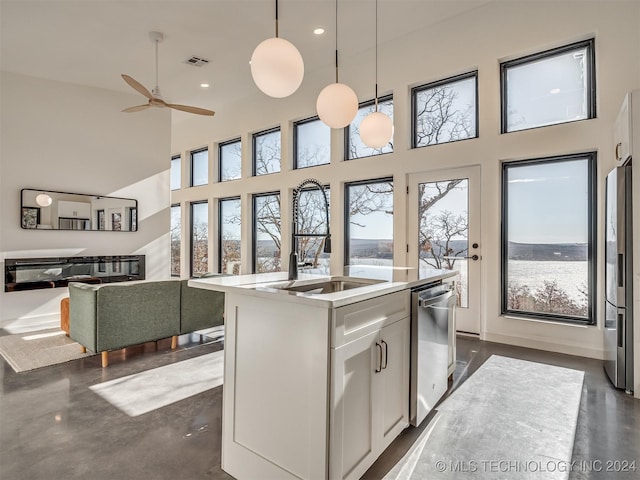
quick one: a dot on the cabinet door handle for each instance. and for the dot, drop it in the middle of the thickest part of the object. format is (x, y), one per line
(386, 353)
(379, 367)
(618, 151)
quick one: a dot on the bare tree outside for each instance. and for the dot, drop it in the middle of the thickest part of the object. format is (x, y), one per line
(445, 112)
(176, 230)
(268, 227)
(311, 219)
(230, 160)
(313, 143)
(229, 231)
(267, 152)
(370, 217)
(199, 238)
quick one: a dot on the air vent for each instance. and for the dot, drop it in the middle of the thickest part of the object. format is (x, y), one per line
(196, 61)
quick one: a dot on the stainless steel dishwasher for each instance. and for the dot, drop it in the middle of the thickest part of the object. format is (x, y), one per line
(432, 309)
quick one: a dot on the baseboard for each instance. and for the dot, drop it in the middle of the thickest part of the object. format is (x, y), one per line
(598, 354)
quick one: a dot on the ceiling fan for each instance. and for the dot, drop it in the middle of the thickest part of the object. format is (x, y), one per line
(155, 97)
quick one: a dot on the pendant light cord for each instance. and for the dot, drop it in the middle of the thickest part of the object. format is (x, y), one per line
(336, 41)
(376, 55)
(276, 18)
(156, 63)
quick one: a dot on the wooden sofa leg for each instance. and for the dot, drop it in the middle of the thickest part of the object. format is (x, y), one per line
(105, 359)
(83, 349)
(174, 342)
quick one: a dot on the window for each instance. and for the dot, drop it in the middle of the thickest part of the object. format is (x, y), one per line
(175, 173)
(229, 240)
(548, 238)
(230, 160)
(445, 111)
(199, 167)
(266, 152)
(176, 230)
(267, 250)
(199, 238)
(312, 219)
(556, 86)
(369, 222)
(311, 143)
(353, 144)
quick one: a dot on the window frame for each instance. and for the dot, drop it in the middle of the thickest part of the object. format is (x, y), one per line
(592, 191)
(171, 207)
(254, 225)
(176, 157)
(191, 205)
(438, 83)
(347, 228)
(295, 143)
(221, 145)
(254, 136)
(220, 203)
(192, 155)
(347, 129)
(553, 52)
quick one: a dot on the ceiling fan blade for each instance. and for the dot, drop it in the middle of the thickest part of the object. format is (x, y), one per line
(196, 110)
(137, 86)
(137, 108)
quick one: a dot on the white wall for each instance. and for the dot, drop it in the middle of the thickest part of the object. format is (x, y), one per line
(479, 40)
(71, 138)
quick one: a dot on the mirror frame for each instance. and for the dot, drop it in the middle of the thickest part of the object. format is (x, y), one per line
(31, 215)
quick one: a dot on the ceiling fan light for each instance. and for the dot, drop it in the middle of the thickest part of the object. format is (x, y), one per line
(277, 67)
(376, 130)
(43, 200)
(337, 105)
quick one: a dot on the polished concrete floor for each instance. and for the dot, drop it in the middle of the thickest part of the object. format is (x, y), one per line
(52, 426)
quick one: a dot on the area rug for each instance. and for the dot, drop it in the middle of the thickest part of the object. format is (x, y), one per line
(28, 351)
(152, 389)
(511, 419)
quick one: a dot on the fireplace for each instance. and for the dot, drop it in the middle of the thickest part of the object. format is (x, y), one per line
(53, 272)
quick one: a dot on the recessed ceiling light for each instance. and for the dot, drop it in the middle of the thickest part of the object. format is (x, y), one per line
(553, 91)
(204, 85)
(319, 31)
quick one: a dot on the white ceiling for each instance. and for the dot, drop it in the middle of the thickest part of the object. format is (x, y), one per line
(91, 42)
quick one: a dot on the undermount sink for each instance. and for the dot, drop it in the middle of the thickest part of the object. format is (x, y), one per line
(335, 284)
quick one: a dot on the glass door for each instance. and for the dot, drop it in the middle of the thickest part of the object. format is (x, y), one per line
(444, 233)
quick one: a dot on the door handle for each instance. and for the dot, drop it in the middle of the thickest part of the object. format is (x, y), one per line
(618, 146)
(475, 258)
(386, 353)
(379, 367)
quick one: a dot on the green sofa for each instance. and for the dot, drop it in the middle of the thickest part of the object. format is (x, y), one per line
(118, 315)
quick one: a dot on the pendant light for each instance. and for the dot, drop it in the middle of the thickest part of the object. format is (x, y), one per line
(43, 199)
(337, 104)
(376, 129)
(277, 67)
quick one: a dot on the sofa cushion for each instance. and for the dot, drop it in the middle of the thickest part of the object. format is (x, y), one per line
(200, 308)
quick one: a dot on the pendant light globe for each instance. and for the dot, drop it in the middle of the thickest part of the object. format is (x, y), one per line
(277, 67)
(43, 199)
(337, 105)
(376, 130)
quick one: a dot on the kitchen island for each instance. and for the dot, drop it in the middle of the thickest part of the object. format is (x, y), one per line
(316, 376)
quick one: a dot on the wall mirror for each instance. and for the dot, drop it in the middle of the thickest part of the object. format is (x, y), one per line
(49, 210)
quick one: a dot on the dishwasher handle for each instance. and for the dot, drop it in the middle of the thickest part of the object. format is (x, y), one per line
(431, 301)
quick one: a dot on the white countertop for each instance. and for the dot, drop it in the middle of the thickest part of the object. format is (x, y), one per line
(258, 285)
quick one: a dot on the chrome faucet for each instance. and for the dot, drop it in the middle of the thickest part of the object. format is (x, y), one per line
(293, 256)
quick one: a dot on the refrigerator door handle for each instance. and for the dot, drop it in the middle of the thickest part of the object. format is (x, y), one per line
(620, 329)
(621, 269)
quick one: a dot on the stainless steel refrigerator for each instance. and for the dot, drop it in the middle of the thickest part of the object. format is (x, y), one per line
(618, 332)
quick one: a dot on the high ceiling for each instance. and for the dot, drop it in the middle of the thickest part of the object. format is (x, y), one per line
(91, 42)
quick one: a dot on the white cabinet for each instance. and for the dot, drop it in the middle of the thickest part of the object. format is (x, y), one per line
(452, 343)
(622, 132)
(68, 209)
(370, 393)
